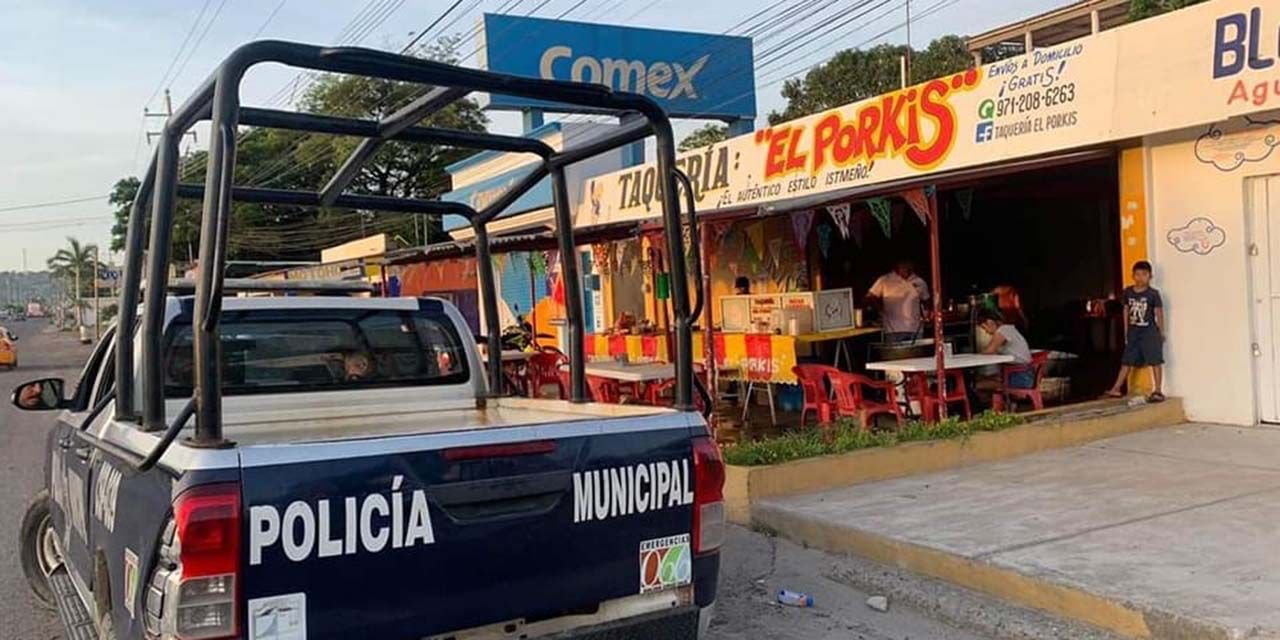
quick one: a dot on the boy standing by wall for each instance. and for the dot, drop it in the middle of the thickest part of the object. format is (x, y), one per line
(1143, 331)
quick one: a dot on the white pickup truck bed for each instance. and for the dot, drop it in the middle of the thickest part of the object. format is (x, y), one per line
(319, 425)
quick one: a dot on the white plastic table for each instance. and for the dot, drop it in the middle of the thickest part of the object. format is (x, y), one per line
(925, 365)
(508, 355)
(630, 372)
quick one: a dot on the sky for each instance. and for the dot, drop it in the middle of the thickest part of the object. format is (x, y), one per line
(75, 76)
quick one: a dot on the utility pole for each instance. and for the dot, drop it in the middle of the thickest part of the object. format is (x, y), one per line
(166, 114)
(97, 310)
(906, 61)
(76, 301)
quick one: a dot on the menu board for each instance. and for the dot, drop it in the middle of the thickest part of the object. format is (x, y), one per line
(788, 313)
(833, 310)
(735, 314)
(762, 308)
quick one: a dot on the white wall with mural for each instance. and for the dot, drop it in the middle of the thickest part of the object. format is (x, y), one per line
(1200, 237)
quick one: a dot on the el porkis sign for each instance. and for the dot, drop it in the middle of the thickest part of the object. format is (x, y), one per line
(1187, 68)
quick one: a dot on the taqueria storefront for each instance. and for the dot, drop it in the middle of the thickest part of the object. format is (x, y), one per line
(1041, 178)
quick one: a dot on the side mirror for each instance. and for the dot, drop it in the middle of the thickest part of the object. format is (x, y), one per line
(40, 395)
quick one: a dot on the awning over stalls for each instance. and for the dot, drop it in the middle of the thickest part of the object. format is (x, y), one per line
(944, 180)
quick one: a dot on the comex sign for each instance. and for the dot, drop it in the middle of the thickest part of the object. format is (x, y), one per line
(689, 74)
(627, 75)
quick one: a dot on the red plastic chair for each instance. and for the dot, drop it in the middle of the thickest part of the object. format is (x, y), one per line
(565, 383)
(544, 369)
(923, 392)
(1011, 395)
(851, 397)
(604, 390)
(813, 381)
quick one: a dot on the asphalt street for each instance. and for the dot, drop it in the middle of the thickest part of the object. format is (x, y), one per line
(755, 566)
(42, 353)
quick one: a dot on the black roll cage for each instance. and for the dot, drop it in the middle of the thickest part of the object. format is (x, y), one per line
(218, 100)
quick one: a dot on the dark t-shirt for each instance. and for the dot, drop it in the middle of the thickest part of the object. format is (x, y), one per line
(1140, 310)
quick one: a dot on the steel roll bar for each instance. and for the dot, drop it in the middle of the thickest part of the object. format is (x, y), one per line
(218, 100)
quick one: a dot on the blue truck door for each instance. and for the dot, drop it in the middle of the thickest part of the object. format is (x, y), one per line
(71, 463)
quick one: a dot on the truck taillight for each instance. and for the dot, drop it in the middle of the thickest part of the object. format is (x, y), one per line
(208, 532)
(708, 495)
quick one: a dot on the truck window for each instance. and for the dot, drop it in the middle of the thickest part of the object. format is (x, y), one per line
(299, 350)
(107, 372)
(83, 396)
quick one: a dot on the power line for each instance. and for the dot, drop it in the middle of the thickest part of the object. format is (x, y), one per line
(43, 205)
(190, 32)
(270, 17)
(431, 26)
(281, 167)
(51, 223)
(192, 51)
(756, 24)
(791, 72)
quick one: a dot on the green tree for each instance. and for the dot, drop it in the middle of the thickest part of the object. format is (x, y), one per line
(295, 160)
(73, 265)
(1142, 9)
(857, 74)
(702, 136)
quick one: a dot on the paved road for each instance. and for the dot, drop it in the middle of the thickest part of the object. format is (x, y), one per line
(755, 565)
(42, 353)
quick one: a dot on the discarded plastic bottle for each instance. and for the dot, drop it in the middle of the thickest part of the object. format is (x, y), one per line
(795, 598)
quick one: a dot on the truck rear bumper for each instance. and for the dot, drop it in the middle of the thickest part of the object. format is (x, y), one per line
(676, 624)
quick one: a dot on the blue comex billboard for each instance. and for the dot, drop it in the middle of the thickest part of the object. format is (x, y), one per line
(694, 75)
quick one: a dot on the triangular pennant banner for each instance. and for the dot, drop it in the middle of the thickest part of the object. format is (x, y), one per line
(800, 222)
(775, 251)
(881, 211)
(965, 198)
(856, 225)
(755, 233)
(840, 215)
(538, 263)
(719, 232)
(919, 203)
(824, 238)
(748, 254)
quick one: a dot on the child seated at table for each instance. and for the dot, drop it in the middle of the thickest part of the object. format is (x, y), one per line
(1007, 340)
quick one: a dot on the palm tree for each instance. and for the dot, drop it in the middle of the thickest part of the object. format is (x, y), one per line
(75, 263)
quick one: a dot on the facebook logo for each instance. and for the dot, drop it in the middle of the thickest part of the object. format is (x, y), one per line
(985, 131)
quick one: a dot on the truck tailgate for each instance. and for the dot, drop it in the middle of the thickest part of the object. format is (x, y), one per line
(410, 536)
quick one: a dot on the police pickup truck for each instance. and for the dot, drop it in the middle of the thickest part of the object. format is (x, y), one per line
(322, 467)
(373, 491)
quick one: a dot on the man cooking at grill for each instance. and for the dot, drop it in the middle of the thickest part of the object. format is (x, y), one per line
(899, 295)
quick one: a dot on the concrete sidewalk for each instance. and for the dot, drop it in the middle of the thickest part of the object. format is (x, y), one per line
(1171, 533)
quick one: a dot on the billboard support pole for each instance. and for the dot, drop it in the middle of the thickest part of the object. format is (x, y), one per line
(532, 119)
(741, 126)
(632, 154)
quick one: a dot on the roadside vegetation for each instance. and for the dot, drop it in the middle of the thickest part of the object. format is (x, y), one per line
(845, 435)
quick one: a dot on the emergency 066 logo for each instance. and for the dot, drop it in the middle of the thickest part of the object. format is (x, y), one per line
(665, 563)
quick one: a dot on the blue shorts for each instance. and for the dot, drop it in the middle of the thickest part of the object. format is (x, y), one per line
(1022, 380)
(1143, 349)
